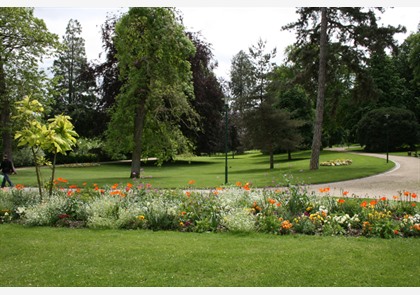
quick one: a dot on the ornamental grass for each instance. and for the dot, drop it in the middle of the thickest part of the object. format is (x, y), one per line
(240, 209)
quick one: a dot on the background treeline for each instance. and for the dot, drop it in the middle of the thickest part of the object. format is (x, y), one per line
(155, 93)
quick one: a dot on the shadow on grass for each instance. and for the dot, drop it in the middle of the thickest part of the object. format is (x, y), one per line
(153, 163)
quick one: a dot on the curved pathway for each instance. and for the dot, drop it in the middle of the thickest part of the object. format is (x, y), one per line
(405, 176)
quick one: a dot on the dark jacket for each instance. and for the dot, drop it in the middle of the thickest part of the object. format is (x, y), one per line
(6, 166)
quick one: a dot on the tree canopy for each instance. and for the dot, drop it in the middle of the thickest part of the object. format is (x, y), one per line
(346, 35)
(152, 52)
(24, 41)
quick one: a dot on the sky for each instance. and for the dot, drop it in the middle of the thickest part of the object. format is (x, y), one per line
(229, 26)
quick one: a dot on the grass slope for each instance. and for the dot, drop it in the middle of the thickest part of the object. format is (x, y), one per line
(208, 172)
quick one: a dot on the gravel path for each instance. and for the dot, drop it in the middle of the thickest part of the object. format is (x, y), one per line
(405, 176)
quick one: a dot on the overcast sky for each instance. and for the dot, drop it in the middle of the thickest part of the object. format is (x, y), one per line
(228, 28)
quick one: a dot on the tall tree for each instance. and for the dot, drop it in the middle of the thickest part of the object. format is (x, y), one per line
(292, 97)
(240, 86)
(271, 129)
(76, 80)
(208, 102)
(107, 73)
(249, 81)
(262, 66)
(319, 112)
(241, 81)
(24, 41)
(153, 52)
(353, 33)
(407, 63)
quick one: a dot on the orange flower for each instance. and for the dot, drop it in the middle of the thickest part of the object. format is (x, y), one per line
(19, 186)
(271, 201)
(117, 192)
(238, 184)
(84, 183)
(363, 204)
(191, 182)
(73, 186)
(413, 195)
(69, 193)
(278, 204)
(324, 190)
(286, 224)
(246, 187)
(395, 197)
(383, 199)
(413, 204)
(417, 226)
(341, 201)
(128, 187)
(406, 193)
(373, 202)
(62, 180)
(345, 193)
(188, 194)
(114, 186)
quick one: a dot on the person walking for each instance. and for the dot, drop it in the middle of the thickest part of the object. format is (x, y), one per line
(7, 168)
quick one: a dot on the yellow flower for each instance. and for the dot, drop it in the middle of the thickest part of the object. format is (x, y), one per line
(140, 217)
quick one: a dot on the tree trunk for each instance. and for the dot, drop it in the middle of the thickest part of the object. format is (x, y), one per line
(138, 133)
(51, 184)
(317, 136)
(38, 173)
(271, 159)
(5, 111)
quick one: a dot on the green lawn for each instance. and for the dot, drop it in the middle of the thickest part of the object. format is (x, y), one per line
(209, 172)
(63, 257)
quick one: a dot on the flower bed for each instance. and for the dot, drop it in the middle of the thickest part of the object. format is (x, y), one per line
(292, 210)
(337, 162)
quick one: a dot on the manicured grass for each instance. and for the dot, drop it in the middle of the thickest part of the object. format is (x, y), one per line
(209, 172)
(62, 257)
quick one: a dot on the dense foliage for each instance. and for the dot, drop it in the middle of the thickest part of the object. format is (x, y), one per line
(24, 41)
(388, 129)
(152, 53)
